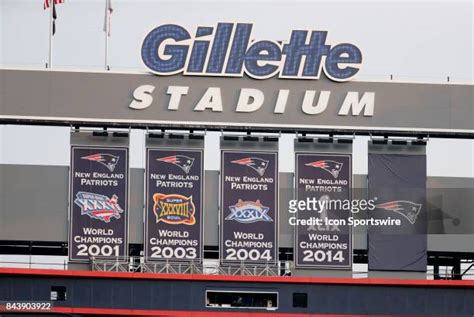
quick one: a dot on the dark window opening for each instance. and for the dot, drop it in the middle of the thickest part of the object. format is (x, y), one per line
(58, 293)
(300, 300)
(241, 299)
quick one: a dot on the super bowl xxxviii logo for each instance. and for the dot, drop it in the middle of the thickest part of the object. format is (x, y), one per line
(332, 167)
(183, 162)
(98, 206)
(407, 209)
(249, 212)
(257, 164)
(107, 160)
(174, 209)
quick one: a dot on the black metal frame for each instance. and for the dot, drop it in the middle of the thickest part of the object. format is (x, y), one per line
(247, 129)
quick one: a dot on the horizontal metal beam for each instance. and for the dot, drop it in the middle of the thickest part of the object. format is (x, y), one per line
(247, 129)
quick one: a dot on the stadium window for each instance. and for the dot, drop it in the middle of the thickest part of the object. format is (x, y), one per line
(300, 300)
(242, 299)
(58, 293)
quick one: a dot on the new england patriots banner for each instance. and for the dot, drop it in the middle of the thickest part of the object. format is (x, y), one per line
(323, 237)
(249, 207)
(174, 199)
(98, 203)
(397, 183)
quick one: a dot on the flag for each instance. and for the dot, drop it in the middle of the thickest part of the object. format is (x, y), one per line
(46, 6)
(46, 3)
(108, 13)
(54, 18)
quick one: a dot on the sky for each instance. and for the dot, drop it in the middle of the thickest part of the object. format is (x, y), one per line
(414, 41)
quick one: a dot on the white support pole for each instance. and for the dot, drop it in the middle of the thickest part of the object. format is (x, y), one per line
(106, 62)
(107, 32)
(50, 55)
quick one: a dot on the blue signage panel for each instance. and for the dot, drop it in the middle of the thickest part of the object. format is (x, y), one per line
(228, 50)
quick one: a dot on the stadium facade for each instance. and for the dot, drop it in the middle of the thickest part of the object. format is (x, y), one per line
(172, 237)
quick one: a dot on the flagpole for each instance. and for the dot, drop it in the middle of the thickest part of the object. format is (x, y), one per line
(50, 56)
(106, 64)
(107, 30)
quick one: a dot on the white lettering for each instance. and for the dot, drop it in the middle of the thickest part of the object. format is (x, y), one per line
(353, 102)
(250, 100)
(142, 97)
(308, 99)
(175, 93)
(212, 99)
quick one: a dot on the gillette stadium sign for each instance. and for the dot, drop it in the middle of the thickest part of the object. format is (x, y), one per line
(222, 77)
(229, 50)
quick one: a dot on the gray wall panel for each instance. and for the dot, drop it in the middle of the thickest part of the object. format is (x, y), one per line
(211, 208)
(34, 202)
(136, 207)
(286, 194)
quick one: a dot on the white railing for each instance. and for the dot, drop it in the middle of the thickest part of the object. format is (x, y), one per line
(192, 267)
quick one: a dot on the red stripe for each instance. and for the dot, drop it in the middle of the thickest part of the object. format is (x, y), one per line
(143, 312)
(168, 159)
(227, 278)
(94, 157)
(388, 206)
(317, 164)
(243, 161)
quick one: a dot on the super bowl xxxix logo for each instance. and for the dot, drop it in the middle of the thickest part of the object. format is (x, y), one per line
(98, 206)
(249, 212)
(107, 160)
(332, 167)
(257, 164)
(174, 209)
(183, 162)
(407, 209)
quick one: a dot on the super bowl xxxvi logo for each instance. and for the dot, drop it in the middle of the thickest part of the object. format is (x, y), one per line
(107, 160)
(249, 212)
(174, 209)
(257, 164)
(407, 209)
(98, 206)
(183, 162)
(332, 167)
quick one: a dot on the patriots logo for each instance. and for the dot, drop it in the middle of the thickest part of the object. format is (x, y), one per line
(332, 167)
(407, 209)
(257, 164)
(108, 160)
(183, 162)
(98, 206)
